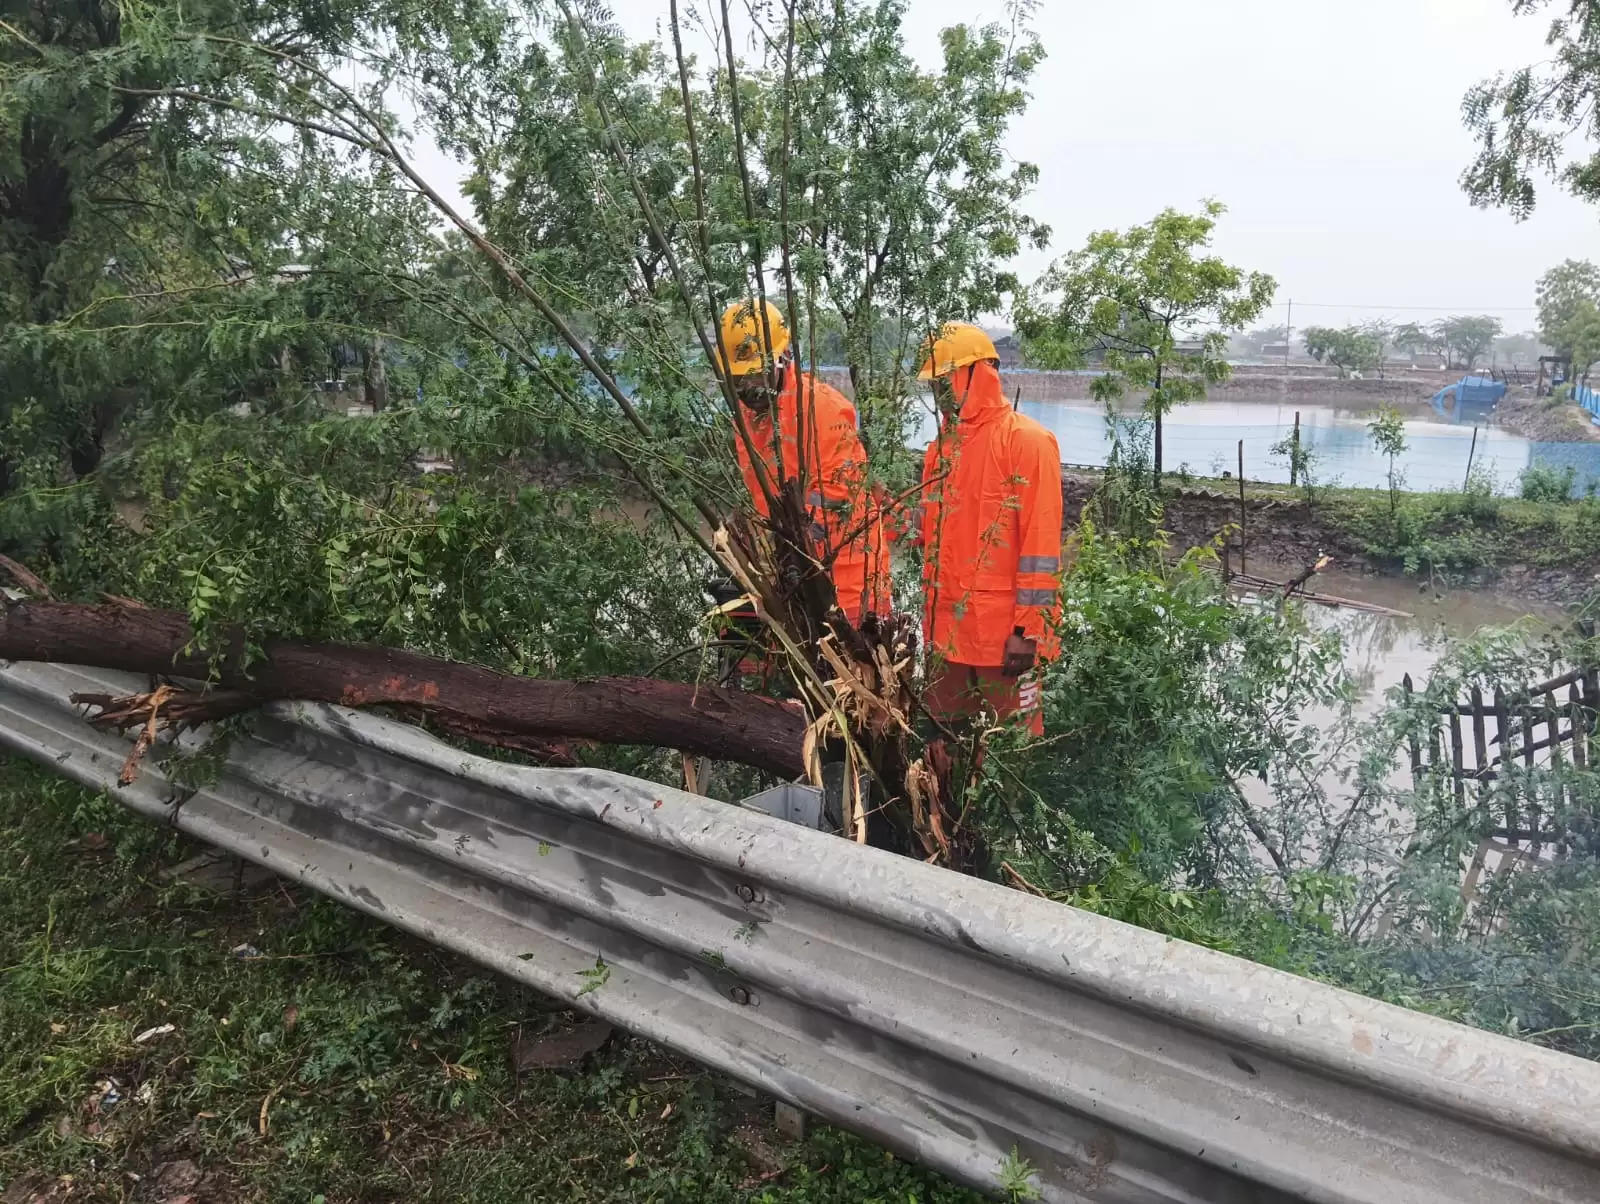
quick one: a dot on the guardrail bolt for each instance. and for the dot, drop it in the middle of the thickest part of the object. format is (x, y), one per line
(743, 996)
(747, 893)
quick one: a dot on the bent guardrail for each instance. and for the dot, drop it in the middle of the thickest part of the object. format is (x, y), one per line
(948, 1018)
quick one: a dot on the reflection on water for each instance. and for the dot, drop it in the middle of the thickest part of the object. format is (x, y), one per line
(1204, 439)
(1379, 649)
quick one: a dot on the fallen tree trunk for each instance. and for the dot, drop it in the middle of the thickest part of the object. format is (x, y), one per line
(494, 708)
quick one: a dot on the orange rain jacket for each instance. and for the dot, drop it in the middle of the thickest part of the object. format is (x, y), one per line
(844, 517)
(990, 528)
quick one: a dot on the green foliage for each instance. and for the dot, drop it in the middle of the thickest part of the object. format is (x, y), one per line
(1460, 340)
(145, 232)
(1349, 349)
(385, 1065)
(1412, 338)
(1301, 460)
(1539, 119)
(1546, 483)
(323, 530)
(1568, 295)
(1165, 693)
(1388, 432)
(1151, 305)
(1516, 953)
(1467, 338)
(1444, 532)
(903, 199)
(1016, 1179)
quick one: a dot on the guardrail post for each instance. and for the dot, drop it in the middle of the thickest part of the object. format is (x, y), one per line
(789, 1121)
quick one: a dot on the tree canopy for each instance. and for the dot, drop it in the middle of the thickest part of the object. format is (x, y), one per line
(1349, 349)
(1564, 294)
(1152, 304)
(1541, 119)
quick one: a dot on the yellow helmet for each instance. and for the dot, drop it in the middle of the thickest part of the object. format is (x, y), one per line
(956, 345)
(744, 340)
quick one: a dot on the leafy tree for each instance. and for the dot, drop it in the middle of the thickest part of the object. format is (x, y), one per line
(1582, 335)
(1131, 297)
(1467, 339)
(902, 200)
(1381, 332)
(1318, 340)
(1412, 338)
(1388, 432)
(148, 214)
(1563, 293)
(1540, 119)
(1350, 349)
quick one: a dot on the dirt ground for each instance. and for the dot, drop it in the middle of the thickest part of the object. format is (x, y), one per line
(1539, 419)
(1537, 553)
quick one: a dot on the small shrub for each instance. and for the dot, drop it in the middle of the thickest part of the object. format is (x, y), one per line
(1480, 500)
(1547, 483)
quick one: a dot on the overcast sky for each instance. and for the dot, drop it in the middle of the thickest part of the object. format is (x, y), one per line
(1330, 128)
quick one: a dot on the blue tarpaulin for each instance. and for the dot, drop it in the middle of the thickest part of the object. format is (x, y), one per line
(1471, 395)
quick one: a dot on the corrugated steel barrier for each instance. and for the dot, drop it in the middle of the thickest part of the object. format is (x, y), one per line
(950, 1019)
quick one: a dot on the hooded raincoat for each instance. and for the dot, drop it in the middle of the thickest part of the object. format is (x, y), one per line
(990, 528)
(845, 521)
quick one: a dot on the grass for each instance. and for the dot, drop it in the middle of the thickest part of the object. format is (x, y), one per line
(1441, 531)
(332, 1059)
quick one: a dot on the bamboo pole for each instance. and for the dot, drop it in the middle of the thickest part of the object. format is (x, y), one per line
(1242, 519)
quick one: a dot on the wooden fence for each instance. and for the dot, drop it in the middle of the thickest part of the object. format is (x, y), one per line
(1482, 741)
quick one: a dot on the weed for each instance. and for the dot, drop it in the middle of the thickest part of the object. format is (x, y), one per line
(347, 1061)
(1016, 1178)
(595, 977)
(1547, 483)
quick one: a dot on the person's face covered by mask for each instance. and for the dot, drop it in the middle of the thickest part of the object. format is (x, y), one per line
(946, 397)
(757, 391)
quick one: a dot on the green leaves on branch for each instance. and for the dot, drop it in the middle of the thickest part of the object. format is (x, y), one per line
(1349, 349)
(1540, 120)
(1149, 305)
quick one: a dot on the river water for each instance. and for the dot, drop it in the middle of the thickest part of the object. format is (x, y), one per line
(1379, 650)
(1204, 439)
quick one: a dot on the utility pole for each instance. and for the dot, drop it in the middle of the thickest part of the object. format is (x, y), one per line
(1288, 334)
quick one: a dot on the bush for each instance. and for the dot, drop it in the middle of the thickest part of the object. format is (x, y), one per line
(1547, 483)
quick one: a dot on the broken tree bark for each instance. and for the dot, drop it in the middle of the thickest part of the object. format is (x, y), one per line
(493, 708)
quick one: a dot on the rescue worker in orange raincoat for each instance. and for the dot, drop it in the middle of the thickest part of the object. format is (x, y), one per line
(991, 537)
(777, 402)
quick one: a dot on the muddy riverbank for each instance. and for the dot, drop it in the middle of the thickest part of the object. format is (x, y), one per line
(1541, 419)
(1541, 553)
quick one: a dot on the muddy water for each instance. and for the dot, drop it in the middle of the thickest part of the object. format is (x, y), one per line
(1379, 650)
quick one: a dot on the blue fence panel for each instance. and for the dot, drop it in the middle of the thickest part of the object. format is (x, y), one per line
(1588, 399)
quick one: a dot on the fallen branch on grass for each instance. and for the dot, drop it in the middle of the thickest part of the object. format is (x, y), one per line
(496, 709)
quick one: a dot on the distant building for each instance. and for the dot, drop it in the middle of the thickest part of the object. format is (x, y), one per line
(1009, 350)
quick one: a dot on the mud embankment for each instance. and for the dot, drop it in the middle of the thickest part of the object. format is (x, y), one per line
(1545, 421)
(1252, 383)
(1288, 531)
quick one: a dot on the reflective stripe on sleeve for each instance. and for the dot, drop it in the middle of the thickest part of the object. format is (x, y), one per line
(1038, 564)
(1035, 597)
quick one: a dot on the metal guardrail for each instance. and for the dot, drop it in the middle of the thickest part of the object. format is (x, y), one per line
(948, 1018)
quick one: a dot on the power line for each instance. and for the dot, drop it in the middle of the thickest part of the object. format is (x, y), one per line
(1428, 308)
